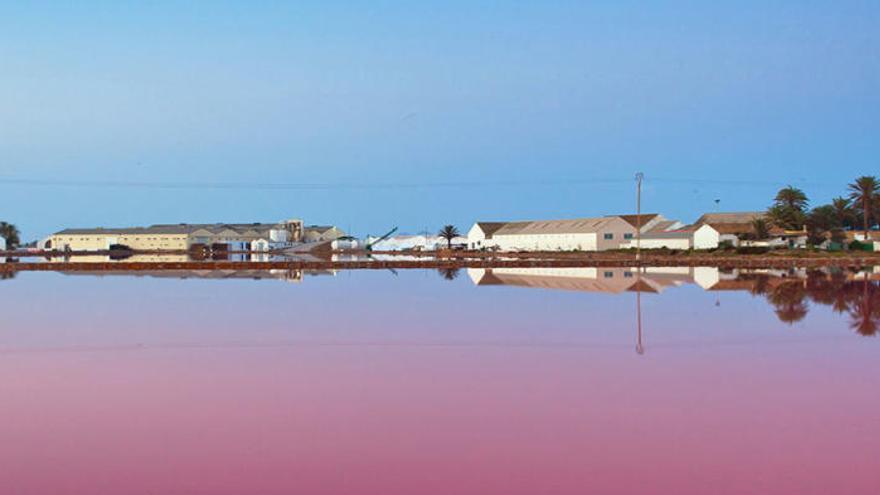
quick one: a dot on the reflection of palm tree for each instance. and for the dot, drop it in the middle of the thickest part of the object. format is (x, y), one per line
(865, 314)
(789, 299)
(449, 273)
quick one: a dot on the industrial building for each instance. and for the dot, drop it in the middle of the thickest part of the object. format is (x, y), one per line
(322, 233)
(581, 234)
(178, 237)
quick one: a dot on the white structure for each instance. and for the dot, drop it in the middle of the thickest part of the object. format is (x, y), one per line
(260, 245)
(691, 237)
(581, 234)
(2, 244)
(322, 233)
(417, 242)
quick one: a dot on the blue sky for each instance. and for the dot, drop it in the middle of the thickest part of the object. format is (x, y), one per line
(379, 114)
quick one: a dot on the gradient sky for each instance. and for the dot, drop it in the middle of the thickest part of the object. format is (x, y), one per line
(418, 115)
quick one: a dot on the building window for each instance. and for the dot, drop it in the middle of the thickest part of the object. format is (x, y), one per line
(627, 275)
(609, 274)
(609, 236)
(627, 236)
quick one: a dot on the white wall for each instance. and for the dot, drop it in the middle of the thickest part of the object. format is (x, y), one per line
(476, 238)
(2, 244)
(706, 237)
(669, 243)
(546, 242)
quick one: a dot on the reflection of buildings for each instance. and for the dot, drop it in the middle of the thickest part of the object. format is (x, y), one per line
(612, 280)
(791, 293)
(285, 275)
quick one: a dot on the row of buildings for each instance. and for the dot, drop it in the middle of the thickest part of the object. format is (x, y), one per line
(182, 237)
(651, 231)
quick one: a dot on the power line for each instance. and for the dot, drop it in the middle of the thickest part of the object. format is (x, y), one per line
(318, 186)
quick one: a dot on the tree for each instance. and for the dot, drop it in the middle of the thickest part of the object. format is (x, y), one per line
(821, 220)
(761, 228)
(865, 192)
(449, 232)
(11, 234)
(788, 209)
(792, 197)
(449, 273)
(843, 210)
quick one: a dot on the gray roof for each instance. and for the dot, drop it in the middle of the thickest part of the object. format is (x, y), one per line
(573, 226)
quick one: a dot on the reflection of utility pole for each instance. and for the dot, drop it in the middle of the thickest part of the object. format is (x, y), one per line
(640, 348)
(639, 177)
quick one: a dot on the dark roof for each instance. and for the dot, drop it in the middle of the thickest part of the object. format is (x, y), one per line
(633, 219)
(490, 228)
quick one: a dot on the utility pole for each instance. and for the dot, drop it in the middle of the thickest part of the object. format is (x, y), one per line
(639, 177)
(640, 346)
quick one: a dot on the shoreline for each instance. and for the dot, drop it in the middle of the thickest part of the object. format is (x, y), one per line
(848, 262)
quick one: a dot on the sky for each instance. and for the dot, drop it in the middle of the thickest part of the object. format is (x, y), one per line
(371, 115)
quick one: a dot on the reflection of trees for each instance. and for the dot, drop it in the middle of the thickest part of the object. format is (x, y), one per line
(789, 299)
(7, 274)
(865, 313)
(449, 273)
(859, 299)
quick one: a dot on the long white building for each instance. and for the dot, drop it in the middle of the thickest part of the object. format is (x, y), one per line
(580, 234)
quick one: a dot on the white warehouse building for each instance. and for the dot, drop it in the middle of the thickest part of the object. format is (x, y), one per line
(581, 234)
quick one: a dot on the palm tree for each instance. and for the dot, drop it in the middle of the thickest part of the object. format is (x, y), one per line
(865, 192)
(449, 232)
(843, 211)
(788, 209)
(761, 228)
(792, 197)
(449, 273)
(10, 233)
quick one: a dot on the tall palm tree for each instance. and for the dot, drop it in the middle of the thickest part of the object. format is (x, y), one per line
(865, 192)
(792, 197)
(449, 232)
(789, 208)
(11, 234)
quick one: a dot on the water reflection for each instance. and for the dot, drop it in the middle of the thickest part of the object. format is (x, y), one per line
(789, 292)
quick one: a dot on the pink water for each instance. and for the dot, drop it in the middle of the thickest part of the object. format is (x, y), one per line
(367, 383)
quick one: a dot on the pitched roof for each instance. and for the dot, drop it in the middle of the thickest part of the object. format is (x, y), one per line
(319, 228)
(663, 226)
(634, 219)
(490, 228)
(573, 226)
(177, 229)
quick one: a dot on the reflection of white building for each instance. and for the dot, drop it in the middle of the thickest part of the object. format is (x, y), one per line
(601, 279)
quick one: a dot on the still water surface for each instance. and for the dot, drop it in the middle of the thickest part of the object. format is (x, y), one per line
(499, 382)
